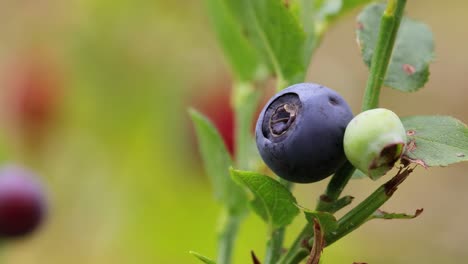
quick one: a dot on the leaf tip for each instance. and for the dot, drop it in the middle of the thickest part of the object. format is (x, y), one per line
(236, 176)
(407, 160)
(254, 258)
(194, 113)
(418, 212)
(201, 257)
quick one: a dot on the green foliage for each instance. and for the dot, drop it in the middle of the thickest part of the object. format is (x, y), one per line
(276, 35)
(435, 140)
(241, 55)
(273, 202)
(327, 220)
(277, 38)
(282, 38)
(408, 70)
(266, 32)
(216, 162)
(202, 258)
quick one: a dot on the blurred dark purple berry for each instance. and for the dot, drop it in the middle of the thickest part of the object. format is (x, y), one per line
(22, 202)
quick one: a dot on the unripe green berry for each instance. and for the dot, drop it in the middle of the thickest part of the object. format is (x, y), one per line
(374, 140)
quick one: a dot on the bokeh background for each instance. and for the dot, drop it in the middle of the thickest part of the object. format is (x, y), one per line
(94, 96)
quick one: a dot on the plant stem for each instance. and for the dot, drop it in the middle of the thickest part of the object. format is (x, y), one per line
(245, 100)
(227, 236)
(274, 246)
(336, 205)
(361, 213)
(333, 191)
(275, 242)
(389, 25)
(297, 252)
(336, 186)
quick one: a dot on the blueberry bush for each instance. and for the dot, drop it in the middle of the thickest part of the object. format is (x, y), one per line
(306, 132)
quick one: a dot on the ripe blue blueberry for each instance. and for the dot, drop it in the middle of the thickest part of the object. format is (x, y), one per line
(22, 202)
(300, 131)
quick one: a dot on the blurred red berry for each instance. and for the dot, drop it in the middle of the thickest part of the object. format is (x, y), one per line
(22, 202)
(32, 93)
(213, 101)
(33, 87)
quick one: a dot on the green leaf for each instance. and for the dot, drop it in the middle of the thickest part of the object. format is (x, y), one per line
(274, 35)
(408, 70)
(232, 36)
(272, 201)
(316, 16)
(202, 258)
(217, 162)
(379, 214)
(283, 38)
(280, 36)
(435, 140)
(327, 220)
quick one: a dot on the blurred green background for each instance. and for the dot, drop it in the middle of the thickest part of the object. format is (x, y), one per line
(110, 135)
